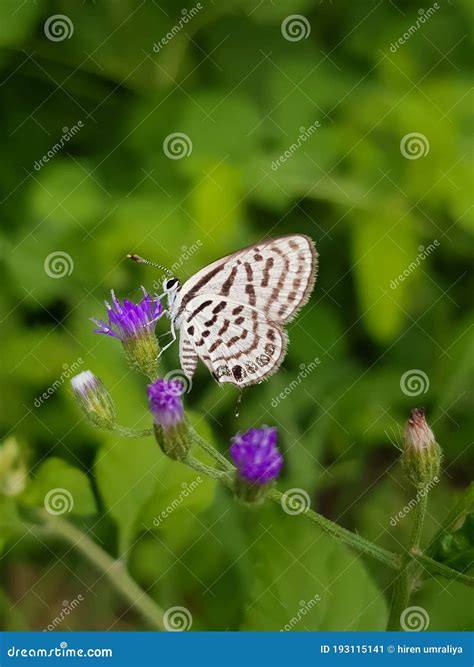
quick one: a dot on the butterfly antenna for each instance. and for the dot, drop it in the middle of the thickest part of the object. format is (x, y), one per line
(142, 260)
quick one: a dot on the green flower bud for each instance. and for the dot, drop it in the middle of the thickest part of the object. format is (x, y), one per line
(12, 469)
(166, 406)
(94, 400)
(421, 458)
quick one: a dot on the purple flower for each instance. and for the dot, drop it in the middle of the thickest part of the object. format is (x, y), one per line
(166, 406)
(256, 455)
(128, 319)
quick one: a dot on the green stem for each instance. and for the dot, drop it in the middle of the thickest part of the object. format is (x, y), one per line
(131, 433)
(406, 580)
(114, 570)
(435, 567)
(212, 451)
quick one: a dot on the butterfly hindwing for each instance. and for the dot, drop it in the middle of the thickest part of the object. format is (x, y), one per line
(235, 341)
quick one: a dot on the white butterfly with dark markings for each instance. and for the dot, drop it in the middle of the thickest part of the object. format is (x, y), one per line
(232, 313)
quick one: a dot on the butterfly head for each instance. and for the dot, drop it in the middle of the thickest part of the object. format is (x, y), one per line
(171, 287)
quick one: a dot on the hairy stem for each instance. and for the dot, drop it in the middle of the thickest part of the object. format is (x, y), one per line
(132, 433)
(114, 570)
(407, 578)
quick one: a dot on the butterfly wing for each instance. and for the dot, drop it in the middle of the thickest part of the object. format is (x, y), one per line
(275, 277)
(238, 344)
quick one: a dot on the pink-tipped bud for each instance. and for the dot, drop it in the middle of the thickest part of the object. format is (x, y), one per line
(421, 453)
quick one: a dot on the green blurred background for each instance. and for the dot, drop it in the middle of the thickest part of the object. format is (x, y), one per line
(243, 94)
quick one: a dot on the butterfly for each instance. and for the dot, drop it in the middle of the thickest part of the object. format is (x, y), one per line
(232, 313)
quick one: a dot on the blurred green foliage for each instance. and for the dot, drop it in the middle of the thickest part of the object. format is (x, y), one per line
(243, 94)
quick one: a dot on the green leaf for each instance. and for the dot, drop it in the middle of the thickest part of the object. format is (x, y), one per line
(384, 246)
(61, 489)
(17, 20)
(305, 580)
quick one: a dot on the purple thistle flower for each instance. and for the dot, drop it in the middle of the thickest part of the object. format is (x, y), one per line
(166, 406)
(256, 455)
(128, 319)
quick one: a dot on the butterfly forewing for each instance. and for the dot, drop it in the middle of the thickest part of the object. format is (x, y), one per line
(231, 312)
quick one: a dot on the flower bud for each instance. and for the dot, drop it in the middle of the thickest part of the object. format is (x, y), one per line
(134, 325)
(166, 406)
(258, 462)
(94, 399)
(421, 458)
(12, 469)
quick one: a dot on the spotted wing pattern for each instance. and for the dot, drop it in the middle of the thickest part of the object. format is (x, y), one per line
(235, 341)
(232, 312)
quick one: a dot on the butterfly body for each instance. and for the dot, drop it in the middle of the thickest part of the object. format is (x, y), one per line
(232, 313)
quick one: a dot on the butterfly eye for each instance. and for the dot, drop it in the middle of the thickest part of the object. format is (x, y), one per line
(172, 282)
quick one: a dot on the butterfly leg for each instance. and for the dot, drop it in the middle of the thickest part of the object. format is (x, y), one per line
(173, 338)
